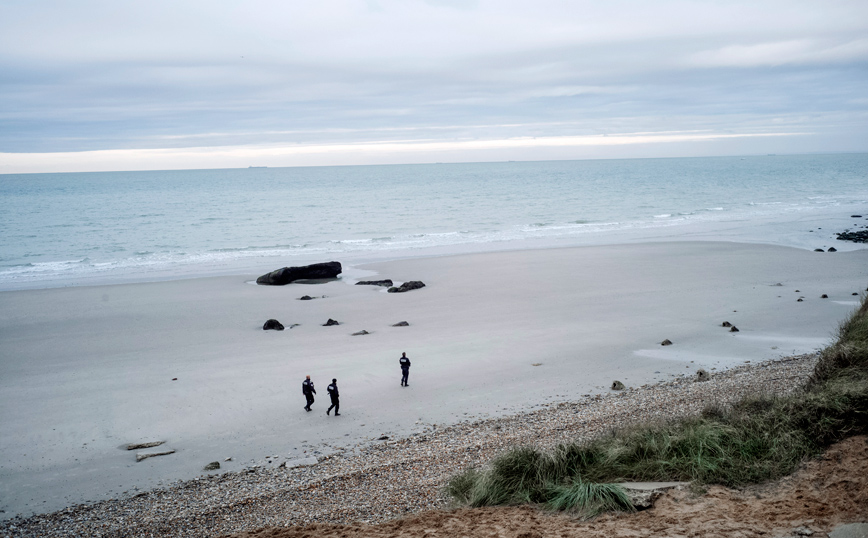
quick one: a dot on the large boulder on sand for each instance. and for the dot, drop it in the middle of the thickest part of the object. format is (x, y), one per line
(284, 276)
(272, 325)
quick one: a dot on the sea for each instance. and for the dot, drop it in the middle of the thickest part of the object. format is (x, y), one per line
(76, 229)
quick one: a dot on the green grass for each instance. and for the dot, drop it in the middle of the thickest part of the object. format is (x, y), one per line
(757, 439)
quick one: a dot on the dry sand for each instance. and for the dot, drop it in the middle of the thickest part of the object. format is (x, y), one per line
(84, 371)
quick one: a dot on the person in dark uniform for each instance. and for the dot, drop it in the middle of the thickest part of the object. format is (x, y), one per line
(308, 391)
(405, 368)
(333, 394)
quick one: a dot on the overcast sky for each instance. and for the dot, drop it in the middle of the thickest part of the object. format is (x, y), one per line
(122, 85)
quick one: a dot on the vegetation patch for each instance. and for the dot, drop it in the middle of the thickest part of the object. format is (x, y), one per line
(757, 439)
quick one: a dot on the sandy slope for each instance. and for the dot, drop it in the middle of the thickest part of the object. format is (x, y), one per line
(830, 490)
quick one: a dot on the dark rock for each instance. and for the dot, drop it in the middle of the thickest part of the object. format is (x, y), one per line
(272, 324)
(407, 286)
(702, 375)
(799, 300)
(305, 298)
(213, 466)
(797, 291)
(734, 329)
(282, 465)
(824, 296)
(617, 385)
(174, 379)
(405, 324)
(666, 342)
(361, 333)
(284, 276)
(832, 249)
(385, 283)
(330, 322)
(726, 324)
(819, 250)
(856, 216)
(854, 293)
(382, 438)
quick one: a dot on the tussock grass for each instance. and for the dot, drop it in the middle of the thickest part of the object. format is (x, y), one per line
(759, 438)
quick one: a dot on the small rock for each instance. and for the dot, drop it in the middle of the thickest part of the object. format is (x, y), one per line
(385, 283)
(819, 250)
(360, 333)
(330, 322)
(666, 342)
(407, 286)
(282, 465)
(617, 385)
(382, 438)
(856, 216)
(832, 249)
(405, 324)
(734, 329)
(799, 300)
(305, 298)
(824, 296)
(145, 455)
(213, 466)
(228, 459)
(726, 324)
(272, 324)
(149, 444)
(702, 375)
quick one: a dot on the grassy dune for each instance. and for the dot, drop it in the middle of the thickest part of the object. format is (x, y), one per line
(759, 438)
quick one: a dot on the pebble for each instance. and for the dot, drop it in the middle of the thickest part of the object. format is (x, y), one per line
(379, 481)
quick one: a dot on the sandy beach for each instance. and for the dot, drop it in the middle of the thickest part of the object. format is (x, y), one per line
(87, 370)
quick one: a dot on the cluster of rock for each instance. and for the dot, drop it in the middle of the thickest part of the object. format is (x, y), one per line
(856, 237)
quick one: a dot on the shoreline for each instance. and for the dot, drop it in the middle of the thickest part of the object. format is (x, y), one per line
(800, 231)
(89, 369)
(378, 481)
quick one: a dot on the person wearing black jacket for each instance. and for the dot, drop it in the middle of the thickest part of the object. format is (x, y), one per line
(308, 391)
(405, 368)
(333, 394)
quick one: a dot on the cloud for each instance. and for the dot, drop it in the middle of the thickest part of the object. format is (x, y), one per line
(105, 75)
(797, 51)
(323, 154)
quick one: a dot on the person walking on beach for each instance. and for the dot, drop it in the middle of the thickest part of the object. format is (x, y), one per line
(405, 368)
(333, 394)
(308, 391)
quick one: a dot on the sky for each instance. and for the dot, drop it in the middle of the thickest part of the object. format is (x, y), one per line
(96, 85)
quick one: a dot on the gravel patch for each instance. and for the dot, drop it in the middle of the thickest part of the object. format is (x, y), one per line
(376, 481)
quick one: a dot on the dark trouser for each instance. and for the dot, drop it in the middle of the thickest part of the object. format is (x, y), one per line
(309, 400)
(405, 373)
(336, 405)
